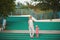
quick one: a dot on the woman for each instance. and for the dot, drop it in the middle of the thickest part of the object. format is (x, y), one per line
(31, 27)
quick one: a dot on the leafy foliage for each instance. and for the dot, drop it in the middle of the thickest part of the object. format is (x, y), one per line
(50, 5)
(6, 6)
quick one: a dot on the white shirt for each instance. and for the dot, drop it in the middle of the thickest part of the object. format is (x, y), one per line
(30, 23)
(4, 22)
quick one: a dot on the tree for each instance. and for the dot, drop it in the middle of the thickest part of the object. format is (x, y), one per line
(53, 5)
(6, 6)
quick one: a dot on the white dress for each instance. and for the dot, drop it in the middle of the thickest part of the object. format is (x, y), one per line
(4, 23)
(30, 23)
(31, 27)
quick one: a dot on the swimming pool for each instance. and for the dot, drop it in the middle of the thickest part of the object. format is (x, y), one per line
(21, 23)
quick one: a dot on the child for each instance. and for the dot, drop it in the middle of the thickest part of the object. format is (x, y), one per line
(37, 31)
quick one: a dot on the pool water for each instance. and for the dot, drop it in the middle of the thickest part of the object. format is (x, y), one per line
(21, 23)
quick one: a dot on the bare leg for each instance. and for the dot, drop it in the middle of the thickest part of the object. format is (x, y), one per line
(37, 35)
(2, 29)
(30, 32)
